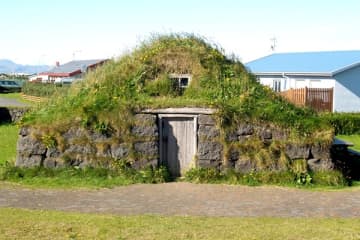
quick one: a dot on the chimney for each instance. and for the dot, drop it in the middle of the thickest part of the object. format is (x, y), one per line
(57, 64)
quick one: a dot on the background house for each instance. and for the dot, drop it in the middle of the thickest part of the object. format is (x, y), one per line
(74, 69)
(339, 70)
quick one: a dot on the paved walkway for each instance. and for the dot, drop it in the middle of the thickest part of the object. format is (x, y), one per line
(190, 199)
(9, 102)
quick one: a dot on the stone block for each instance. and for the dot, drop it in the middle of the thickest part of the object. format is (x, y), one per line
(147, 148)
(30, 145)
(24, 131)
(145, 131)
(52, 153)
(81, 149)
(266, 134)
(234, 155)
(145, 119)
(320, 152)
(75, 133)
(49, 163)
(210, 150)
(231, 137)
(119, 151)
(245, 165)
(245, 129)
(206, 120)
(320, 164)
(208, 132)
(297, 151)
(29, 161)
(244, 138)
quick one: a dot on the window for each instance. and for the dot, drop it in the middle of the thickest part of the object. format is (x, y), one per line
(181, 81)
(277, 85)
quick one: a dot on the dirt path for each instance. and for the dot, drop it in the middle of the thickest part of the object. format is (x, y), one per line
(190, 199)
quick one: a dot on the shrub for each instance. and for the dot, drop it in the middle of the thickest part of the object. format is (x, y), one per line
(42, 89)
(343, 123)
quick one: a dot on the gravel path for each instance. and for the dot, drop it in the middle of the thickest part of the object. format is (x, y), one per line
(190, 199)
(9, 102)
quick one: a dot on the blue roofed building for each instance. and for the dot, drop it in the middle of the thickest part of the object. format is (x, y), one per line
(339, 70)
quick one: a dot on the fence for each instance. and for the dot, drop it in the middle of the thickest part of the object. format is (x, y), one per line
(319, 99)
(33, 98)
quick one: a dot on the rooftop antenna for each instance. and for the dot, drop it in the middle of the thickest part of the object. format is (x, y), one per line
(74, 53)
(273, 44)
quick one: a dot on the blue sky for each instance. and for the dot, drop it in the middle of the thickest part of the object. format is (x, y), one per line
(45, 31)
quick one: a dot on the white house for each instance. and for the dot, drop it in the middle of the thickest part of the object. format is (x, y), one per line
(339, 70)
(39, 78)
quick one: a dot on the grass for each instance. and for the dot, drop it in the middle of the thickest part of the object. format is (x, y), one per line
(76, 177)
(354, 139)
(35, 224)
(8, 139)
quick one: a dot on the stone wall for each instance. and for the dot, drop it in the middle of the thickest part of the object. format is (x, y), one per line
(8, 115)
(83, 147)
(210, 148)
(247, 147)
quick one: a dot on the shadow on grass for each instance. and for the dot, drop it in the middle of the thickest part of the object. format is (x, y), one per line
(347, 161)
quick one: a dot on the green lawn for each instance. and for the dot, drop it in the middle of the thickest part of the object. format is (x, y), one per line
(8, 139)
(11, 95)
(31, 224)
(355, 139)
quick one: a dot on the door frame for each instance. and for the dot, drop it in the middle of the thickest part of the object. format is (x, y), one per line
(160, 124)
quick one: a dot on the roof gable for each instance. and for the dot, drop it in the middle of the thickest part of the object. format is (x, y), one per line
(326, 63)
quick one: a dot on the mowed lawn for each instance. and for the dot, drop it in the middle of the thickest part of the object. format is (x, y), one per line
(8, 139)
(354, 139)
(35, 224)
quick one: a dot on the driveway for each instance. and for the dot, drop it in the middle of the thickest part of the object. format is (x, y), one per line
(189, 199)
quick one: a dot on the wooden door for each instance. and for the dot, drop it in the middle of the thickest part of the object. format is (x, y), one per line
(178, 143)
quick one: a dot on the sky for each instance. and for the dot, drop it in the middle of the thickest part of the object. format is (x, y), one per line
(46, 31)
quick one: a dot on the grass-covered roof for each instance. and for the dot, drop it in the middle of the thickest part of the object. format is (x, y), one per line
(140, 79)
